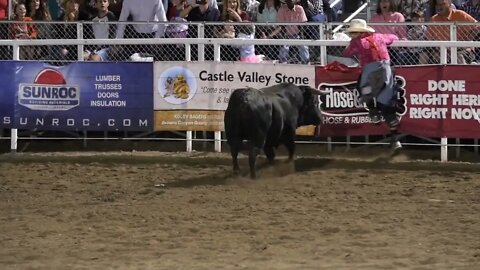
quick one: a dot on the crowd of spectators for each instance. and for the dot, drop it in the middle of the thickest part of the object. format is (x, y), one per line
(230, 17)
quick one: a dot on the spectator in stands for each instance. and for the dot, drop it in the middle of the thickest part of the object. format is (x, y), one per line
(376, 83)
(202, 12)
(177, 8)
(442, 32)
(100, 28)
(247, 52)
(472, 7)
(23, 31)
(431, 9)
(55, 7)
(267, 13)
(291, 13)
(416, 32)
(147, 11)
(410, 7)
(386, 14)
(4, 9)
(39, 12)
(231, 12)
(251, 8)
(115, 6)
(5, 51)
(68, 29)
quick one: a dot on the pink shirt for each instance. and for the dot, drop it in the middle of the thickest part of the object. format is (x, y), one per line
(365, 52)
(296, 15)
(394, 17)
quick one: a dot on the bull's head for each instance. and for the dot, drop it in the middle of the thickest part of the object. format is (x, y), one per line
(309, 113)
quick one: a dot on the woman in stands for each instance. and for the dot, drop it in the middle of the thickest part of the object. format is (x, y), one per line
(386, 14)
(267, 13)
(376, 83)
(23, 30)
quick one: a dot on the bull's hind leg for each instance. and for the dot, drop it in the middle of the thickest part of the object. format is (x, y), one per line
(270, 153)
(234, 150)
(252, 160)
(289, 142)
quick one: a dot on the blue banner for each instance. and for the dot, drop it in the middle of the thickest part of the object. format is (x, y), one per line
(7, 94)
(80, 96)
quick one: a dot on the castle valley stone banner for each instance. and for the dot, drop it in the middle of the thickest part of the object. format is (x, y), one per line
(194, 95)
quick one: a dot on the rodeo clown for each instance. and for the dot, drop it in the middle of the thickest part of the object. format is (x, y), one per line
(377, 82)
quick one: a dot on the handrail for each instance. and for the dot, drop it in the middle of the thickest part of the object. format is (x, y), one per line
(334, 3)
(226, 41)
(349, 18)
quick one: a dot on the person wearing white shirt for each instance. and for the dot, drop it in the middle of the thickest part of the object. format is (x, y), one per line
(146, 11)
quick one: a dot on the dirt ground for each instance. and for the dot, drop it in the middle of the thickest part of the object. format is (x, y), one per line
(151, 210)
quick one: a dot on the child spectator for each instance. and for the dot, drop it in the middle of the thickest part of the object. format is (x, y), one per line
(416, 32)
(101, 29)
(23, 30)
(247, 52)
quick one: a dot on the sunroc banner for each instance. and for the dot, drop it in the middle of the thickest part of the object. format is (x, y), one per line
(208, 85)
(343, 113)
(442, 101)
(194, 96)
(7, 95)
(83, 96)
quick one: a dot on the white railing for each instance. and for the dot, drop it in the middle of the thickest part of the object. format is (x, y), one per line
(444, 46)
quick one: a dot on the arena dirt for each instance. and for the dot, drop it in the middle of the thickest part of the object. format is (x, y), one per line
(151, 210)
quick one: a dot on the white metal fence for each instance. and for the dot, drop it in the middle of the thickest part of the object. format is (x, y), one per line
(446, 52)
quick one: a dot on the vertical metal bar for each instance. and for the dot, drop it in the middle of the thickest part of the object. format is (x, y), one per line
(189, 141)
(453, 50)
(444, 140)
(201, 47)
(80, 49)
(14, 131)
(444, 149)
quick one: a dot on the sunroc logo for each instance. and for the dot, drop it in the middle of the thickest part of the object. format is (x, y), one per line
(343, 99)
(49, 92)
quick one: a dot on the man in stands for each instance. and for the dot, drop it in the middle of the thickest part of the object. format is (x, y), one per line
(442, 32)
(151, 11)
(202, 12)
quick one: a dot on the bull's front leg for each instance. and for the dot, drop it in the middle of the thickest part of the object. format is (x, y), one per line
(289, 142)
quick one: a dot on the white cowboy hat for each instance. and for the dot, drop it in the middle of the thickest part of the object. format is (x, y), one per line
(359, 25)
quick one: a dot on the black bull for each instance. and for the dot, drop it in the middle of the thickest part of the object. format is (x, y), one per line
(268, 117)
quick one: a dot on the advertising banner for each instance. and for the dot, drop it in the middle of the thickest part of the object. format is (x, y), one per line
(7, 96)
(82, 96)
(442, 101)
(433, 101)
(343, 114)
(194, 95)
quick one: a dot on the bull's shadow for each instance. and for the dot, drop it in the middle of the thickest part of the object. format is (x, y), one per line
(281, 168)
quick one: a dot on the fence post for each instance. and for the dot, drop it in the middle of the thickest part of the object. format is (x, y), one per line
(14, 131)
(323, 48)
(80, 48)
(444, 140)
(189, 140)
(201, 47)
(453, 50)
(218, 134)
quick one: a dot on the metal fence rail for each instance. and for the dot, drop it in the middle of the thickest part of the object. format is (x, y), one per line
(446, 52)
(172, 46)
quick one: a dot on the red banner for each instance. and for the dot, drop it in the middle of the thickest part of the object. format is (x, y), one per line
(435, 101)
